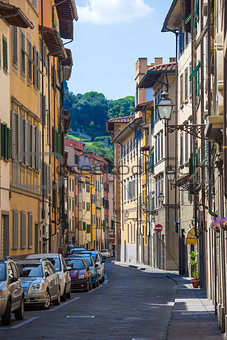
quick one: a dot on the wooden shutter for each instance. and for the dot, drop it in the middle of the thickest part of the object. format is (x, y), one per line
(14, 45)
(49, 180)
(9, 144)
(30, 230)
(23, 229)
(38, 148)
(5, 54)
(38, 70)
(13, 133)
(15, 229)
(20, 138)
(5, 142)
(33, 147)
(29, 60)
(28, 142)
(2, 140)
(34, 66)
(22, 52)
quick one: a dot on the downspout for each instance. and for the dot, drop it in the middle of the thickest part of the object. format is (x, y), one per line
(50, 144)
(43, 117)
(202, 226)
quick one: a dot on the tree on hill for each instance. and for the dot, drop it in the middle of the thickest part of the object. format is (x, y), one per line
(121, 107)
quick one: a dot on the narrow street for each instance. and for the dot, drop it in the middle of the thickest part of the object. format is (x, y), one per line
(131, 304)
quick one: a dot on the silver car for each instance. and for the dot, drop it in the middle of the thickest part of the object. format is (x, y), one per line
(11, 292)
(40, 282)
(60, 266)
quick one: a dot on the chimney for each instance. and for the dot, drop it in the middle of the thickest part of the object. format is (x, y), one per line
(172, 59)
(158, 61)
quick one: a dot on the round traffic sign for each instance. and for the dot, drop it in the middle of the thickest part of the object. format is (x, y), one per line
(158, 228)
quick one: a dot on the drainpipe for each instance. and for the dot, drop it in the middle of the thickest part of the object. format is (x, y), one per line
(49, 127)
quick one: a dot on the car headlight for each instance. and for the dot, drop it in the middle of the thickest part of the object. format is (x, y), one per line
(82, 276)
(37, 286)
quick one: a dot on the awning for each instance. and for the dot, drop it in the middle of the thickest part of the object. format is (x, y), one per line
(66, 9)
(14, 16)
(191, 237)
(154, 73)
(145, 105)
(69, 60)
(66, 14)
(53, 42)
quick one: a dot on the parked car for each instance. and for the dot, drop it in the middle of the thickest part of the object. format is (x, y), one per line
(76, 250)
(80, 273)
(105, 253)
(98, 260)
(60, 266)
(11, 292)
(92, 266)
(40, 282)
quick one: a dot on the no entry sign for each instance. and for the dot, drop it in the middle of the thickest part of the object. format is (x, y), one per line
(158, 228)
(112, 238)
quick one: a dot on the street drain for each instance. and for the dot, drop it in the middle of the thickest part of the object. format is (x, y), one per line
(80, 316)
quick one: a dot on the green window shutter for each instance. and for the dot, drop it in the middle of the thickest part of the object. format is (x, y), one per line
(2, 140)
(5, 142)
(84, 226)
(9, 144)
(88, 228)
(5, 54)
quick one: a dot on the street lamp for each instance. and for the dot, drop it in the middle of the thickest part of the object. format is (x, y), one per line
(165, 107)
(170, 174)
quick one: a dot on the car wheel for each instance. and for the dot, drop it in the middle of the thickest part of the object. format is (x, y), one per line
(69, 294)
(6, 317)
(19, 313)
(58, 300)
(64, 297)
(47, 301)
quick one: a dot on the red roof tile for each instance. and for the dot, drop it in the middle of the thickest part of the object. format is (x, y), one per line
(125, 119)
(163, 67)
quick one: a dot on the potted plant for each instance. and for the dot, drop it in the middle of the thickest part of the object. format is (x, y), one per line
(195, 272)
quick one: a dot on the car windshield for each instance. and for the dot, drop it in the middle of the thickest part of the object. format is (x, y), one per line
(56, 263)
(30, 269)
(75, 263)
(88, 260)
(2, 272)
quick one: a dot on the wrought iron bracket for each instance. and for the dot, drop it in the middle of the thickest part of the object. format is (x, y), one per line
(196, 130)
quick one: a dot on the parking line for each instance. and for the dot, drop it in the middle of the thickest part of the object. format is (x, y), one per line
(24, 322)
(63, 304)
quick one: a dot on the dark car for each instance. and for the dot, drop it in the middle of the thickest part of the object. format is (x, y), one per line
(80, 274)
(92, 266)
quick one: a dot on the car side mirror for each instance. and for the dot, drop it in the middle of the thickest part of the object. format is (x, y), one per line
(13, 279)
(47, 274)
(96, 265)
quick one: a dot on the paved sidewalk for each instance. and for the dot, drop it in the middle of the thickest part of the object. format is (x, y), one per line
(193, 316)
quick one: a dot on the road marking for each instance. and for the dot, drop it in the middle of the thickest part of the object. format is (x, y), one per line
(24, 322)
(63, 304)
(80, 316)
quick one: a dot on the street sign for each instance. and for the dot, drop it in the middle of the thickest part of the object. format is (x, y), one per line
(158, 228)
(112, 238)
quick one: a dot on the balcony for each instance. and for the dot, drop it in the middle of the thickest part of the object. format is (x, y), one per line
(213, 128)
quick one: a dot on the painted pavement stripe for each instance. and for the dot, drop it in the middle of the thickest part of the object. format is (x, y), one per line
(24, 322)
(63, 304)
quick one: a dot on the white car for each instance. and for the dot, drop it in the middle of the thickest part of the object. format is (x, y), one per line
(105, 253)
(63, 271)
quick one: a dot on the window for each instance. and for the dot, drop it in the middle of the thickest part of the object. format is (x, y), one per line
(190, 87)
(34, 3)
(30, 230)
(186, 84)
(156, 150)
(84, 226)
(181, 149)
(161, 144)
(15, 229)
(29, 54)
(87, 188)
(83, 205)
(5, 54)
(22, 52)
(181, 89)
(14, 45)
(87, 206)
(23, 230)
(5, 134)
(186, 147)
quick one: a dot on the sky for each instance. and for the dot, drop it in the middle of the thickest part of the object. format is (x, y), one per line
(110, 36)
